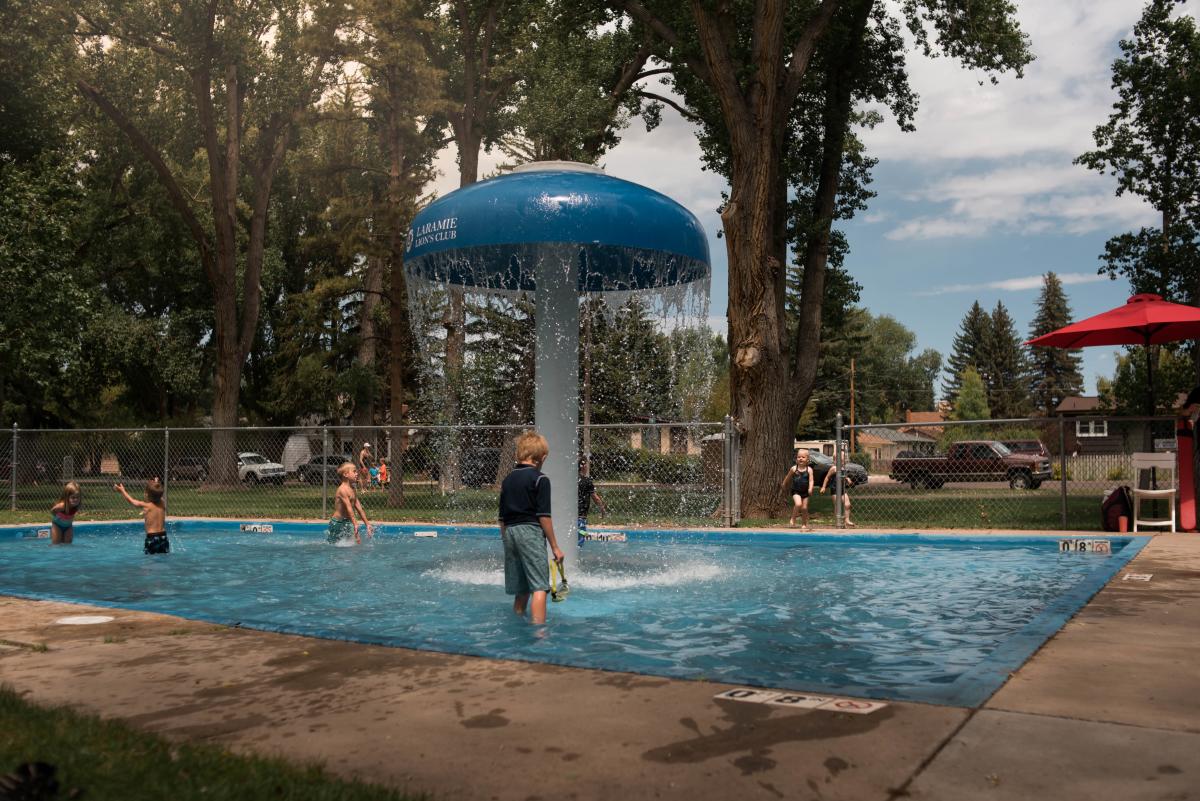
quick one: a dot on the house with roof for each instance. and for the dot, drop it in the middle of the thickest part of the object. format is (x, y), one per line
(885, 444)
(1093, 429)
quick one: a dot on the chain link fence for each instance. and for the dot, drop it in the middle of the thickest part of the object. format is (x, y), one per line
(1033, 473)
(646, 473)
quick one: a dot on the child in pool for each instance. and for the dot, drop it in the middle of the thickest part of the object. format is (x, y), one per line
(62, 514)
(526, 528)
(345, 505)
(154, 515)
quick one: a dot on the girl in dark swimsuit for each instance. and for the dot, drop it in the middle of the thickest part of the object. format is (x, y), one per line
(800, 475)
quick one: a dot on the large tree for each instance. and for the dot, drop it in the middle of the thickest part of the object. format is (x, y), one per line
(1151, 143)
(750, 62)
(1004, 366)
(967, 349)
(1054, 372)
(244, 76)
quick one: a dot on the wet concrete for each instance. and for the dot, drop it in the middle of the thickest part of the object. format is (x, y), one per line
(1107, 709)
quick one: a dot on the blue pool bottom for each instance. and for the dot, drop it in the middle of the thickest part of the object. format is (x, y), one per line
(932, 618)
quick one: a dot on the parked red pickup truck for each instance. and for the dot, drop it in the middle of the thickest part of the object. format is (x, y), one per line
(973, 460)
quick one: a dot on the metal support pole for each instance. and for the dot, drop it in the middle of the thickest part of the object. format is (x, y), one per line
(837, 478)
(1062, 467)
(727, 473)
(324, 472)
(166, 457)
(13, 469)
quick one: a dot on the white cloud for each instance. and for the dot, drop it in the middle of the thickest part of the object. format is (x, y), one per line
(1032, 197)
(1021, 284)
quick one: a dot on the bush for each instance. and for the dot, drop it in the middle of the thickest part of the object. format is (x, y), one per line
(863, 458)
(666, 468)
(1117, 474)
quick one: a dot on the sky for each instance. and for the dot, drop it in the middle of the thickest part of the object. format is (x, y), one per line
(976, 204)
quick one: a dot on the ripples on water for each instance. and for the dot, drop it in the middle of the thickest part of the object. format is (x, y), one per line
(902, 619)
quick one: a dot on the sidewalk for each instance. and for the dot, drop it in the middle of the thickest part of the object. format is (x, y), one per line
(1108, 709)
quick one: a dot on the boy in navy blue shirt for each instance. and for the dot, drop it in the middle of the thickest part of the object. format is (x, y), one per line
(526, 527)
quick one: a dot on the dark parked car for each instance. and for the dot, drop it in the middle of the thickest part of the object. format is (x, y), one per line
(190, 468)
(311, 470)
(973, 461)
(855, 474)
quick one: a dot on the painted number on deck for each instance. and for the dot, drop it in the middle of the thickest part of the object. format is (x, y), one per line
(801, 701)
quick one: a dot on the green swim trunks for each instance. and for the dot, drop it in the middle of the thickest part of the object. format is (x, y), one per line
(339, 529)
(526, 565)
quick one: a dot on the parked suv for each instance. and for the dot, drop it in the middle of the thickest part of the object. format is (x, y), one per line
(190, 468)
(311, 470)
(254, 468)
(855, 473)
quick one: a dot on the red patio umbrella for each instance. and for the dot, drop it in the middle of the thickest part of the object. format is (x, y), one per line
(1143, 320)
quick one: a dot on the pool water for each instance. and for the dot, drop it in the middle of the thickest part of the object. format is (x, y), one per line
(920, 618)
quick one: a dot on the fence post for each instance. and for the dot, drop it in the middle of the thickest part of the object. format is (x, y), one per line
(735, 474)
(837, 477)
(166, 457)
(726, 473)
(13, 470)
(1062, 466)
(324, 471)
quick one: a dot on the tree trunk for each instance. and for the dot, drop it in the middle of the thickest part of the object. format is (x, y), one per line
(760, 399)
(364, 410)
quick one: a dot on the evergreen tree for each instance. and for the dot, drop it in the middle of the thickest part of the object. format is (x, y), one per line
(966, 349)
(1054, 371)
(971, 401)
(1004, 367)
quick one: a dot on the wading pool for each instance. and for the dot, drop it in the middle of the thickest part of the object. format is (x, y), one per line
(939, 619)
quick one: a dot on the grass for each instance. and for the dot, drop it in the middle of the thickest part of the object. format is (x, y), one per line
(948, 508)
(110, 760)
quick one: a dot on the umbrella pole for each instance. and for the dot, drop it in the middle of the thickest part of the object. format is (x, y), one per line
(1150, 411)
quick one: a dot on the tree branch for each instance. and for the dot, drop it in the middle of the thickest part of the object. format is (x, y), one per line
(165, 176)
(665, 32)
(802, 53)
(668, 101)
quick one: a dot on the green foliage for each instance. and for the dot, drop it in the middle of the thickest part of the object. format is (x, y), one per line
(1127, 391)
(967, 349)
(667, 468)
(1004, 367)
(863, 458)
(890, 376)
(971, 403)
(1148, 144)
(1054, 371)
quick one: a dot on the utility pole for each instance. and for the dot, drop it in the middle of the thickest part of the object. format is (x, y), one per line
(852, 429)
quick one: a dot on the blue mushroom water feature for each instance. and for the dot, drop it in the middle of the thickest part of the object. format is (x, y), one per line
(558, 231)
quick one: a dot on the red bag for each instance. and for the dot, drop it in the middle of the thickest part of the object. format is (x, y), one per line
(1116, 504)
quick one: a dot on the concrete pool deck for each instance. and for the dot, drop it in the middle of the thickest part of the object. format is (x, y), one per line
(1109, 708)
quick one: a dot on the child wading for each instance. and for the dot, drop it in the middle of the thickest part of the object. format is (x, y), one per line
(525, 527)
(801, 477)
(62, 514)
(587, 494)
(154, 515)
(346, 505)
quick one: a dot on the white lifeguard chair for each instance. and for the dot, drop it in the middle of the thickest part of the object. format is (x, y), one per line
(1158, 462)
